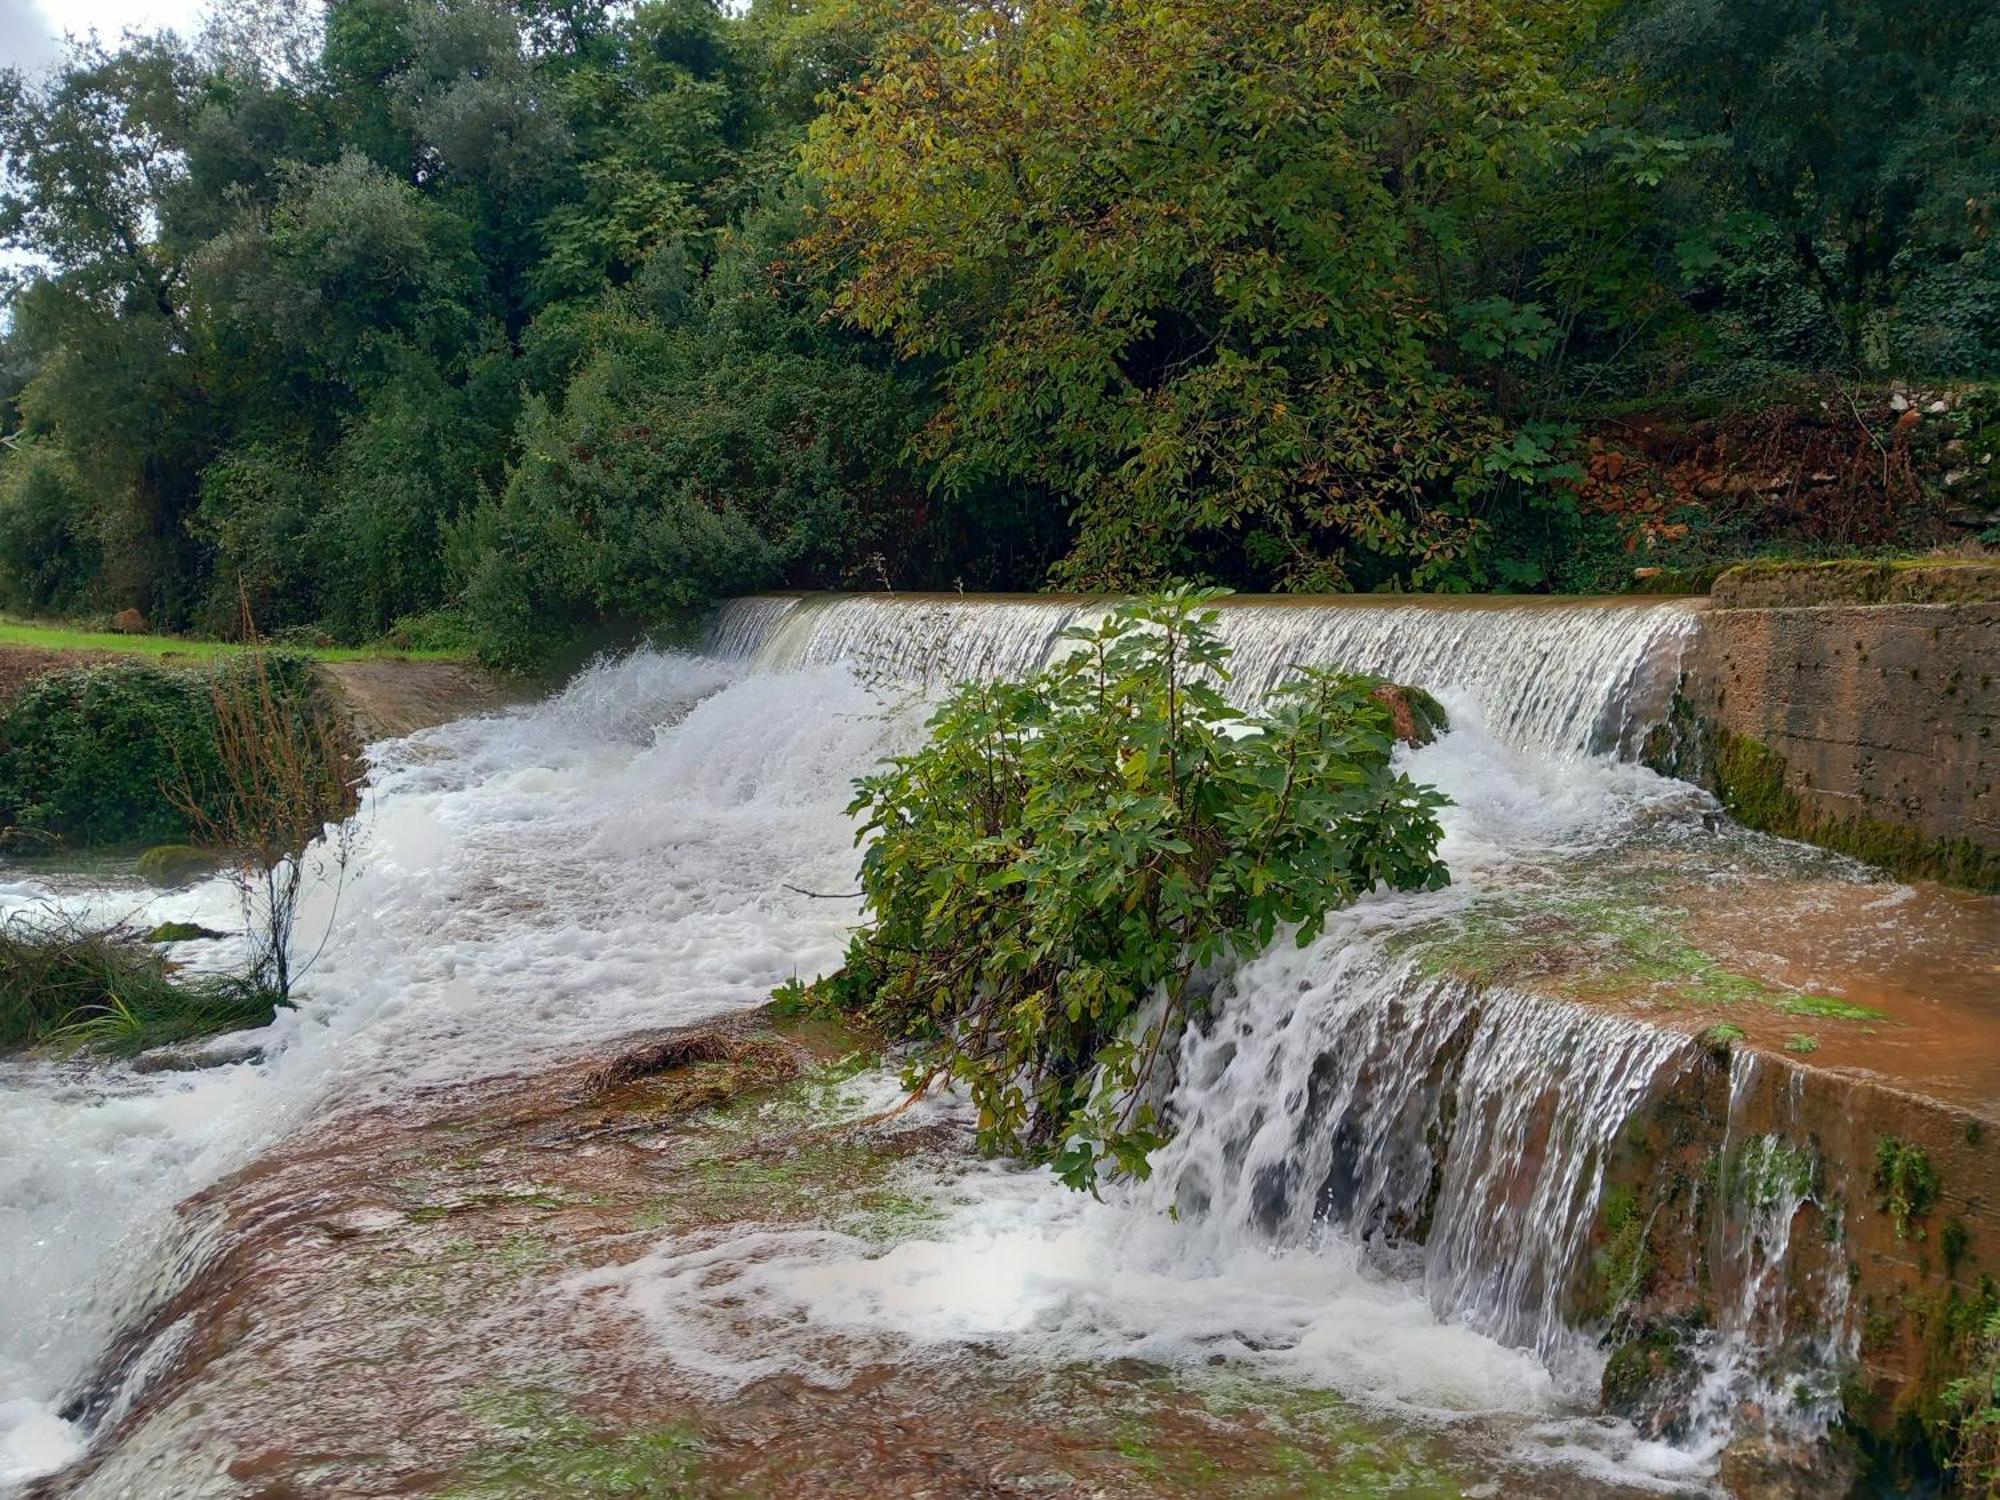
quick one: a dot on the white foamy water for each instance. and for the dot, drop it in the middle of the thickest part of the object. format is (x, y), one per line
(525, 885)
(1561, 677)
(636, 853)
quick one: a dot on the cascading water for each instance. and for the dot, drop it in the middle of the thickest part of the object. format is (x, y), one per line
(1340, 1092)
(1558, 677)
(637, 852)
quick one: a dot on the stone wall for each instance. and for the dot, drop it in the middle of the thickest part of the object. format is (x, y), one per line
(1869, 728)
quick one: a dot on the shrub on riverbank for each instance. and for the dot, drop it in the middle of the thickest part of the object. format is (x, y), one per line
(97, 756)
(67, 984)
(1056, 873)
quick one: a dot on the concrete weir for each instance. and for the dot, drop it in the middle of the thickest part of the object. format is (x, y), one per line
(1705, 1118)
(1857, 706)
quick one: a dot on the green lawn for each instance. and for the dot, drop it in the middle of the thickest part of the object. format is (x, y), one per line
(63, 638)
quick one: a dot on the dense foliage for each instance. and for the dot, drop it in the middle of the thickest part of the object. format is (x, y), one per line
(1052, 878)
(1190, 265)
(100, 755)
(563, 318)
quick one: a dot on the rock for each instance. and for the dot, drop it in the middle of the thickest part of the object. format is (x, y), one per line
(176, 864)
(1417, 716)
(193, 1057)
(1938, 407)
(1766, 1468)
(183, 932)
(129, 622)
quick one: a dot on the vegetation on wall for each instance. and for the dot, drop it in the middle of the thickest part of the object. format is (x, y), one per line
(557, 319)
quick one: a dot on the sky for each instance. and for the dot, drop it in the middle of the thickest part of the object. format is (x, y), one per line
(31, 31)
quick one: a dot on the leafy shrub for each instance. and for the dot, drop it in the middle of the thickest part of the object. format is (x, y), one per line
(1975, 1402)
(50, 551)
(89, 756)
(1055, 875)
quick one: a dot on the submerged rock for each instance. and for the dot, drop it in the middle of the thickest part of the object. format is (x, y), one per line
(1764, 1468)
(176, 865)
(191, 1058)
(1417, 716)
(183, 932)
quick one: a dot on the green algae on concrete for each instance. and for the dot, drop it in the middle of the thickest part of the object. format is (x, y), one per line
(1604, 948)
(791, 1152)
(542, 1447)
(1751, 781)
(1200, 1433)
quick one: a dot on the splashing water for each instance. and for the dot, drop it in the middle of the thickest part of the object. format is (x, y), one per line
(635, 852)
(1560, 677)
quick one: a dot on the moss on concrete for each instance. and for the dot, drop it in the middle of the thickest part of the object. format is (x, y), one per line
(1622, 1265)
(1791, 585)
(1906, 1184)
(542, 1447)
(1752, 781)
(1653, 1360)
(1602, 948)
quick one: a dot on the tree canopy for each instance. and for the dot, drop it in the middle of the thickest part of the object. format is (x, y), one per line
(542, 318)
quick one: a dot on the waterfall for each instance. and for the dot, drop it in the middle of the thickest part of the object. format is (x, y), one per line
(1561, 677)
(1338, 1091)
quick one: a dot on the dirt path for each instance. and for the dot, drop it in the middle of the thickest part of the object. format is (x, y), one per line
(388, 696)
(21, 665)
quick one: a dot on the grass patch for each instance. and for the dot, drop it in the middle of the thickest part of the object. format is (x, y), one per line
(65, 985)
(45, 636)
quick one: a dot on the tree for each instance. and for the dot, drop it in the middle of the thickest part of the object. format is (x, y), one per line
(1865, 135)
(713, 440)
(1185, 263)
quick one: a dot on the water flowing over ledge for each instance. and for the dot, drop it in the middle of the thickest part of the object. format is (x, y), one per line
(1563, 677)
